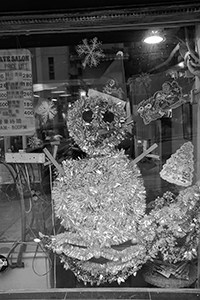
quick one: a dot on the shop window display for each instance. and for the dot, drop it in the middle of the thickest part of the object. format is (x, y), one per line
(116, 202)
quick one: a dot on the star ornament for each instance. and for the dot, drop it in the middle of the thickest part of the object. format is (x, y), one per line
(91, 51)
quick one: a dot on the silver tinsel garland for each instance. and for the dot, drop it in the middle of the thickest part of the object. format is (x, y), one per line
(101, 198)
(101, 202)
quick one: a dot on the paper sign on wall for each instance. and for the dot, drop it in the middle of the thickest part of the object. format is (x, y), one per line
(16, 93)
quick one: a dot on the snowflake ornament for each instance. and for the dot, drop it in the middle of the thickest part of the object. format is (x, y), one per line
(91, 51)
(47, 111)
(34, 142)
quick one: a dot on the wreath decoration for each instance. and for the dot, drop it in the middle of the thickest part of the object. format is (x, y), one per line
(97, 124)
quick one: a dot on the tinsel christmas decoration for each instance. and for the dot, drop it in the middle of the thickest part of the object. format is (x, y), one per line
(179, 168)
(100, 202)
(97, 124)
(173, 224)
(91, 52)
(101, 199)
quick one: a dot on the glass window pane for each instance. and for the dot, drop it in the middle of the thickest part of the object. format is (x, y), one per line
(119, 118)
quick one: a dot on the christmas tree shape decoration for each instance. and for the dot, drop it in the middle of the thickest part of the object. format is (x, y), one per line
(179, 168)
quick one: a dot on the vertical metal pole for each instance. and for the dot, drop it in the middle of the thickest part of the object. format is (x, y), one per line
(197, 86)
(23, 217)
(24, 142)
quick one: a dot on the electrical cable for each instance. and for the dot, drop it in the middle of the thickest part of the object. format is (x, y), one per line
(65, 297)
(29, 188)
(20, 175)
(17, 243)
(53, 224)
(20, 179)
(10, 170)
(22, 246)
(34, 258)
(35, 254)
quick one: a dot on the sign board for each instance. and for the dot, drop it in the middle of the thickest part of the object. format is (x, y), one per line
(25, 158)
(16, 93)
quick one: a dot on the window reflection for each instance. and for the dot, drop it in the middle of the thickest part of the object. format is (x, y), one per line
(156, 93)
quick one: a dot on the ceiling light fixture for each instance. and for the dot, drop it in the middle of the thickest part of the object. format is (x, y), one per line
(155, 37)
